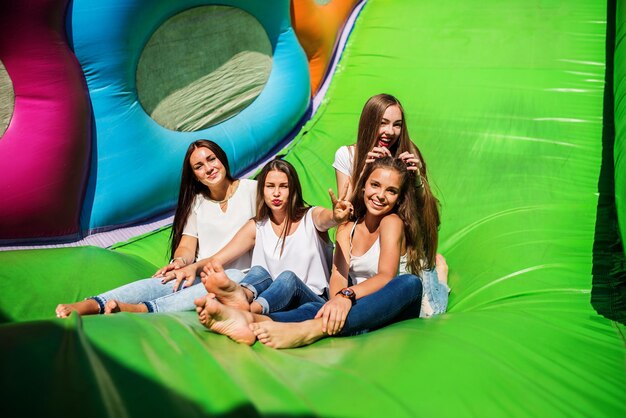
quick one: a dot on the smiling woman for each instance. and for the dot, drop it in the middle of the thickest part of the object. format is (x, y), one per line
(212, 206)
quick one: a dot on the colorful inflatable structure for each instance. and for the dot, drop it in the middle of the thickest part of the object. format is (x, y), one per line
(516, 106)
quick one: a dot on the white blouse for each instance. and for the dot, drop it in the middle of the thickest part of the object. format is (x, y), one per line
(214, 228)
(305, 253)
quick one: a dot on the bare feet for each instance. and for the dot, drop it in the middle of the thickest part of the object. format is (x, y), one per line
(228, 292)
(84, 307)
(288, 334)
(113, 306)
(442, 268)
(225, 320)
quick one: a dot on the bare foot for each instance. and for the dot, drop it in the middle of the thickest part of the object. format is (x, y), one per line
(84, 307)
(442, 269)
(113, 306)
(225, 320)
(228, 292)
(288, 334)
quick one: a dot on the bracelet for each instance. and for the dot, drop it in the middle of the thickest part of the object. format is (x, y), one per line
(177, 258)
(419, 186)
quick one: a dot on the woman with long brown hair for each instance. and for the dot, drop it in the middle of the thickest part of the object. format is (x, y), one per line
(374, 278)
(291, 250)
(383, 131)
(212, 207)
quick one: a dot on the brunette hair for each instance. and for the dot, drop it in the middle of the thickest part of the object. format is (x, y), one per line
(296, 207)
(418, 211)
(369, 124)
(190, 187)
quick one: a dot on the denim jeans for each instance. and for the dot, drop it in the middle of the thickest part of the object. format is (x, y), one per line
(435, 297)
(159, 297)
(286, 292)
(397, 300)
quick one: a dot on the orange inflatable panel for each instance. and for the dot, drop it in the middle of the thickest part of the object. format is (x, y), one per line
(318, 25)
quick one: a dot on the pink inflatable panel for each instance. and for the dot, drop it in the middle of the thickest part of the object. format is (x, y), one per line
(44, 154)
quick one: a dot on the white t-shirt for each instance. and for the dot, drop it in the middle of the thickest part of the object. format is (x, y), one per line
(344, 157)
(306, 254)
(215, 228)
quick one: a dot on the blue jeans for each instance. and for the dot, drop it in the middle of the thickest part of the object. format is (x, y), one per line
(398, 300)
(435, 297)
(159, 297)
(286, 292)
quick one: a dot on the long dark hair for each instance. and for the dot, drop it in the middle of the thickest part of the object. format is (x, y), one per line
(190, 187)
(369, 124)
(296, 207)
(418, 211)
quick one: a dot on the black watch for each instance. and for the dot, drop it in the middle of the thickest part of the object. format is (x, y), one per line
(348, 293)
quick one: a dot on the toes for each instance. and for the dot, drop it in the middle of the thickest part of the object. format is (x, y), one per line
(110, 306)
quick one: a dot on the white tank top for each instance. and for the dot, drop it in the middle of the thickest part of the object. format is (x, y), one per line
(305, 253)
(362, 267)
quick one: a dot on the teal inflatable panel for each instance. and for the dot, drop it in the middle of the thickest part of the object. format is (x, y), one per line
(136, 162)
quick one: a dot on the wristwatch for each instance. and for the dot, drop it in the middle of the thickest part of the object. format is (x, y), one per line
(348, 293)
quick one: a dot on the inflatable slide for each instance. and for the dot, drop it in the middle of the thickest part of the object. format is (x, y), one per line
(517, 107)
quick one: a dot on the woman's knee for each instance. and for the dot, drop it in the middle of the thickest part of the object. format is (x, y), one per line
(287, 277)
(409, 284)
(258, 270)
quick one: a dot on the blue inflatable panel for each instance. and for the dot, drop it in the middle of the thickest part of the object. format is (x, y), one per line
(135, 161)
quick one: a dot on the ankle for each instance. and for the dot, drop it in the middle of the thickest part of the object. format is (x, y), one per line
(256, 308)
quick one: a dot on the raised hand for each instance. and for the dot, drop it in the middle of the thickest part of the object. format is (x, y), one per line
(342, 208)
(412, 162)
(376, 153)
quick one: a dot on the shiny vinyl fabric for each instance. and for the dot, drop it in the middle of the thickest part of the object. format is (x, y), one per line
(506, 101)
(44, 153)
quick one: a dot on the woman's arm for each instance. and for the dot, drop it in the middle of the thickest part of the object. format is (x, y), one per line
(185, 254)
(341, 259)
(414, 164)
(344, 183)
(242, 242)
(335, 311)
(391, 245)
(324, 219)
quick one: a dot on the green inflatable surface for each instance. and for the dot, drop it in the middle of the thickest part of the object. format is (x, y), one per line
(507, 102)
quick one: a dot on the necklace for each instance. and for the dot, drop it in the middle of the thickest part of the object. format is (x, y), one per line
(232, 188)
